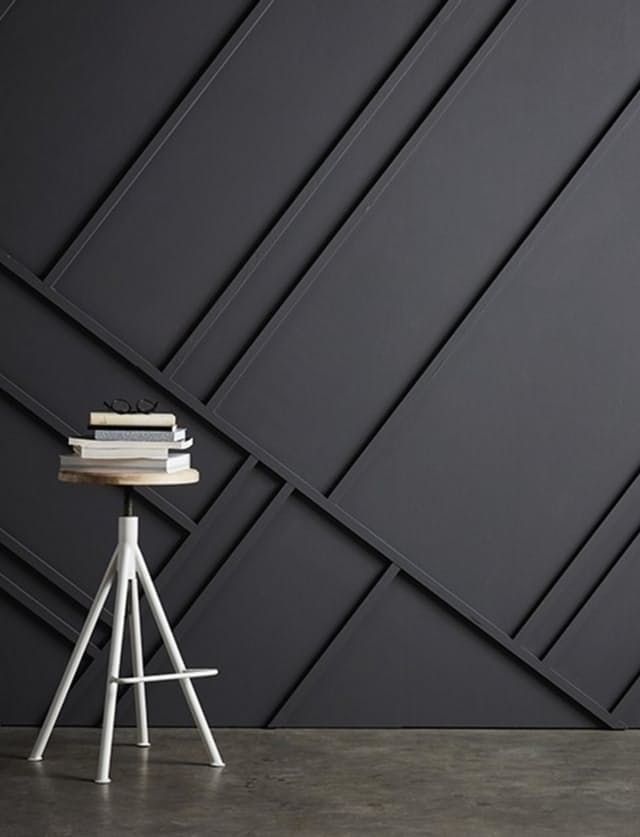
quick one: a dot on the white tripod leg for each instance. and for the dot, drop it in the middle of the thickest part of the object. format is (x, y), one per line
(74, 661)
(137, 662)
(125, 566)
(176, 661)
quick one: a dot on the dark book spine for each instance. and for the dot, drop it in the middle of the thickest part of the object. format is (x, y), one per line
(94, 428)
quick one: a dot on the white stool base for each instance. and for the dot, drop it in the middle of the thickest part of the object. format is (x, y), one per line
(126, 568)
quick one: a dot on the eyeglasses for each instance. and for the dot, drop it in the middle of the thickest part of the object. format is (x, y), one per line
(122, 406)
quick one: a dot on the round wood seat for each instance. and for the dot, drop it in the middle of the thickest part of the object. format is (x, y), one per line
(104, 477)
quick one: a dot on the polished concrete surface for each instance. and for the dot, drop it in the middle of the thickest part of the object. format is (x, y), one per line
(324, 782)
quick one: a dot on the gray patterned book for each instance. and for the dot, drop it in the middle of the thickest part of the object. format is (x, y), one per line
(123, 435)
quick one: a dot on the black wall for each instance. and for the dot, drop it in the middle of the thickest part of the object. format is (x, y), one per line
(382, 257)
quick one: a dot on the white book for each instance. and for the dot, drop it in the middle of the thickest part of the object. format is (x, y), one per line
(118, 453)
(175, 462)
(108, 419)
(100, 449)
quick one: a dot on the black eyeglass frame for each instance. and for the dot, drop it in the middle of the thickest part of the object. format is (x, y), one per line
(122, 406)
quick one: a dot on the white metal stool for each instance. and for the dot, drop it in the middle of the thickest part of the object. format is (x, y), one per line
(126, 566)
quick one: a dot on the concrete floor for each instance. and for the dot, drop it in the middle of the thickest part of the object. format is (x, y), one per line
(318, 783)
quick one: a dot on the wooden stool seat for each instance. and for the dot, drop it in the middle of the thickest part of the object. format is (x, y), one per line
(104, 477)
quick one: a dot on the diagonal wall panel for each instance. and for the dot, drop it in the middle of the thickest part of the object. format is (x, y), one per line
(261, 634)
(409, 92)
(469, 682)
(349, 505)
(33, 683)
(242, 152)
(84, 85)
(524, 446)
(445, 223)
(584, 572)
(330, 508)
(46, 601)
(598, 650)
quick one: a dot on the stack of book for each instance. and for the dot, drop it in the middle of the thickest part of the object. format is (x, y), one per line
(130, 442)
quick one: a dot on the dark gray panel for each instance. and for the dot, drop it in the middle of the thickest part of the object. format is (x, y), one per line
(68, 371)
(272, 616)
(447, 48)
(442, 228)
(27, 688)
(491, 473)
(599, 650)
(246, 147)
(200, 562)
(84, 85)
(629, 706)
(506, 471)
(584, 572)
(50, 597)
(414, 663)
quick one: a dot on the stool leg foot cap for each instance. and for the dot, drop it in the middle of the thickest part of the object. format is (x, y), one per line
(143, 744)
(102, 781)
(34, 758)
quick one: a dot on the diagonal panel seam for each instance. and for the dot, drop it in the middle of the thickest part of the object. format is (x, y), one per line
(479, 306)
(304, 684)
(60, 582)
(228, 492)
(107, 339)
(592, 594)
(536, 610)
(224, 55)
(19, 549)
(226, 569)
(313, 184)
(29, 602)
(488, 628)
(367, 203)
(7, 9)
(321, 664)
(624, 692)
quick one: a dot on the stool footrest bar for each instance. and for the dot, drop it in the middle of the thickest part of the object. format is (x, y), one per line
(187, 674)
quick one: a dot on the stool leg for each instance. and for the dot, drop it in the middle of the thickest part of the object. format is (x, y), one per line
(138, 665)
(177, 662)
(125, 557)
(74, 661)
